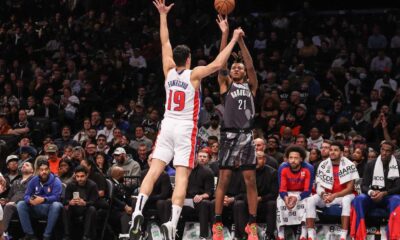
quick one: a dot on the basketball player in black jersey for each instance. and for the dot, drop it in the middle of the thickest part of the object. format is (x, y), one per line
(238, 88)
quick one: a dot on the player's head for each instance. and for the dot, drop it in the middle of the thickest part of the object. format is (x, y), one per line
(295, 155)
(336, 150)
(182, 56)
(238, 69)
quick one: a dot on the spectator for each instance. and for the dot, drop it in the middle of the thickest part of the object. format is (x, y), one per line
(101, 163)
(206, 111)
(381, 63)
(26, 154)
(315, 157)
(102, 144)
(272, 148)
(142, 157)
(41, 198)
(395, 42)
(377, 40)
(131, 167)
(315, 140)
(385, 81)
(214, 129)
(65, 171)
(140, 138)
(23, 126)
(66, 138)
(53, 159)
(16, 194)
(267, 189)
(151, 124)
(96, 177)
(83, 134)
(108, 129)
(359, 158)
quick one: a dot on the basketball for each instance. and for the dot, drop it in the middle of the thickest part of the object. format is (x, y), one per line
(224, 7)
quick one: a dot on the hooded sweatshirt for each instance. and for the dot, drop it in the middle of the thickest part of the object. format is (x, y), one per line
(51, 190)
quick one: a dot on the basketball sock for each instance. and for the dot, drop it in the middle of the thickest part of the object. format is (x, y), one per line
(343, 234)
(311, 233)
(176, 213)
(140, 202)
(303, 233)
(281, 232)
(218, 219)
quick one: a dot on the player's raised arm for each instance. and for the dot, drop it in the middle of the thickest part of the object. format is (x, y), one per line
(203, 71)
(167, 59)
(223, 75)
(248, 62)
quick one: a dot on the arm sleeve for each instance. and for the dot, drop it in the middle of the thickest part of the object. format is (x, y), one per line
(367, 178)
(272, 188)
(308, 183)
(68, 194)
(93, 195)
(282, 182)
(166, 189)
(29, 191)
(56, 192)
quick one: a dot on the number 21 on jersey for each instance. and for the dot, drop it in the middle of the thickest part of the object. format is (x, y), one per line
(176, 100)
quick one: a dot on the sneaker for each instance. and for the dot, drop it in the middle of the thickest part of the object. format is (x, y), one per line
(168, 231)
(303, 238)
(218, 231)
(251, 230)
(135, 232)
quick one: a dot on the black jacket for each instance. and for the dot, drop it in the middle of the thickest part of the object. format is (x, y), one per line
(267, 184)
(162, 188)
(201, 181)
(391, 186)
(88, 192)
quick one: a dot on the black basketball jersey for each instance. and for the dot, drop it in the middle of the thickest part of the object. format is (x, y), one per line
(239, 107)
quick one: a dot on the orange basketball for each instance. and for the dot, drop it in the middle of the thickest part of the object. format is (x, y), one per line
(224, 7)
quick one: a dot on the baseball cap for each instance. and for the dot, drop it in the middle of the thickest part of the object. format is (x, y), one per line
(303, 106)
(28, 149)
(11, 158)
(340, 136)
(119, 151)
(52, 148)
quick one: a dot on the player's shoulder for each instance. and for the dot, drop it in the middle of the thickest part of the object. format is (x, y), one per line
(307, 166)
(283, 167)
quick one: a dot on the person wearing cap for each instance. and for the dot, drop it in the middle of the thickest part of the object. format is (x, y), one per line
(41, 199)
(131, 167)
(214, 129)
(302, 118)
(16, 193)
(12, 173)
(51, 151)
(26, 154)
(138, 115)
(315, 140)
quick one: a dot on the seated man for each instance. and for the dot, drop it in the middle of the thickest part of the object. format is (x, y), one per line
(335, 185)
(80, 197)
(41, 198)
(200, 190)
(267, 189)
(295, 183)
(16, 193)
(380, 188)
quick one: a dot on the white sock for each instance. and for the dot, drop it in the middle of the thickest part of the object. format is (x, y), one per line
(311, 233)
(140, 202)
(176, 213)
(343, 234)
(303, 233)
(281, 232)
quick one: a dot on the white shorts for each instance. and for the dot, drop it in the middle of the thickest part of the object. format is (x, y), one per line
(176, 140)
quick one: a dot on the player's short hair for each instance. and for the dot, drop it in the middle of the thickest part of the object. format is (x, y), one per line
(338, 144)
(181, 54)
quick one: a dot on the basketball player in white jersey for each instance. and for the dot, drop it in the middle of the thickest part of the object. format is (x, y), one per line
(177, 137)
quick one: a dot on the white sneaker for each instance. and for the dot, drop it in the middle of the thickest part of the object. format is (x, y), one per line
(135, 232)
(168, 231)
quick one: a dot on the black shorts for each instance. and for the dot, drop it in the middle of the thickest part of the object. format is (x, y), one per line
(237, 149)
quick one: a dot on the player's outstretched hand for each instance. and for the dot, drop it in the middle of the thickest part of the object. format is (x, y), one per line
(161, 7)
(238, 33)
(223, 23)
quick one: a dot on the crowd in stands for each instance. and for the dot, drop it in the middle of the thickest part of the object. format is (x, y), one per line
(82, 97)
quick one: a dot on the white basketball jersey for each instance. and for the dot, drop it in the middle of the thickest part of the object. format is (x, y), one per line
(183, 100)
